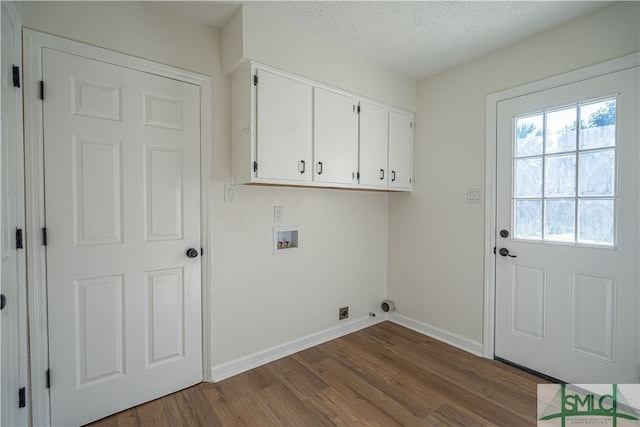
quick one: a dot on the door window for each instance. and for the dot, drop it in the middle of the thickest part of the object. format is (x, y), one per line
(564, 167)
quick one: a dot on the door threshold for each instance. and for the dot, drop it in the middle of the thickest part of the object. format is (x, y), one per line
(529, 370)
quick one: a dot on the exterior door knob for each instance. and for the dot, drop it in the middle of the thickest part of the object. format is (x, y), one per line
(505, 252)
(192, 253)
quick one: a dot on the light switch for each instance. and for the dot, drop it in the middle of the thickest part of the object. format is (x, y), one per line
(474, 195)
(229, 193)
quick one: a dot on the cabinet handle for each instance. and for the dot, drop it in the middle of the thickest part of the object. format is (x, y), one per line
(393, 175)
(319, 168)
(303, 167)
(381, 174)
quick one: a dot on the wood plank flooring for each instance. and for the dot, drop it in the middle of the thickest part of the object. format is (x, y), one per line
(385, 375)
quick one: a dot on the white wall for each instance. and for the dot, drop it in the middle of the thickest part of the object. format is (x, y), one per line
(268, 40)
(259, 300)
(436, 240)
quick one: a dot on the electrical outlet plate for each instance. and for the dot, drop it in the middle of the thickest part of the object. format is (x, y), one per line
(343, 313)
(278, 213)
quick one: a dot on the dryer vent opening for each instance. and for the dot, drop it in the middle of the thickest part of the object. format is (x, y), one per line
(387, 305)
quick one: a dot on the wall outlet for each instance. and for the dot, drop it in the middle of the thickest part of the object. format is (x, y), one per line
(278, 213)
(343, 313)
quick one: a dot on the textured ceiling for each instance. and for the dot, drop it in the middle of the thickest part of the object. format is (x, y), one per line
(415, 39)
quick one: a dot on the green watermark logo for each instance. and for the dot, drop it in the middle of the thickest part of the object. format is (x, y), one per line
(588, 404)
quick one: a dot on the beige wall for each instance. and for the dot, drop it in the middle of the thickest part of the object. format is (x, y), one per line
(436, 239)
(259, 300)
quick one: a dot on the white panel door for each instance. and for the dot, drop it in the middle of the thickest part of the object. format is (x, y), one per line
(335, 137)
(568, 230)
(283, 127)
(400, 150)
(373, 147)
(122, 184)
(13, 284)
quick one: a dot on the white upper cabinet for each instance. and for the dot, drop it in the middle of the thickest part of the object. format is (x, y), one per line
(283, 127)
(277, 148)
(400, 151)
(374, 130)
(288, 130)
(335, 137)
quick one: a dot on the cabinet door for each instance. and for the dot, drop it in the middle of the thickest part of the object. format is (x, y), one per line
(400, 151)
(335, 137)
(374, 137)
(283, 127)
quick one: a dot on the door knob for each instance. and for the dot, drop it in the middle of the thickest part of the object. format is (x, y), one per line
(192, 253)
(505, 252)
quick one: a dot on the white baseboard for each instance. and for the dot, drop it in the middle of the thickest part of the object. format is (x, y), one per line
(455, 340)
(229, 369)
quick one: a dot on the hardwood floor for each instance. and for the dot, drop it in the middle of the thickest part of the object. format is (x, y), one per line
(385, 375)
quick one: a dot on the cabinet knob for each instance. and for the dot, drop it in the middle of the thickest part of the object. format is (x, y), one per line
(303, 166)
(319, 168)
(393, 175)
(381, 174)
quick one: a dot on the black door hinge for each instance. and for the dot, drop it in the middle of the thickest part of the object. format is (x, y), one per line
(255, 80)
(22, 397)
(19, 243)
(16, 76)
(44, 236)
(47, 378)
(42, 89)
(255, 166)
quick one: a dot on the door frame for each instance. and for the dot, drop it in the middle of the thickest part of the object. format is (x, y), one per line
(33, 43)
(492, 100)
(13, 13)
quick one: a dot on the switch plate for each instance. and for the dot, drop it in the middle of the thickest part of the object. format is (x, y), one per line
(229, 193)
(278, 213)
(474, 195)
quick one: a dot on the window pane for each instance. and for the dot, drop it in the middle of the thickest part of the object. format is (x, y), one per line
(598, 124)
(561, 131)
(595, 221)
(529, 177)
(528, 219)
(529, 136)
(559, 223)
(597, 173)
(560, 176)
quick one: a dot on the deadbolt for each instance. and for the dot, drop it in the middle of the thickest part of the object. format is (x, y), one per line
(504, 233)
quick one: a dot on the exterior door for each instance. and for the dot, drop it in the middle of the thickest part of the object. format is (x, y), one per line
(121, 158)
(13, 283)
(567, 221)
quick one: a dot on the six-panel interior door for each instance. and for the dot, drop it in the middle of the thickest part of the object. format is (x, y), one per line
(122, 182)
(567, 195)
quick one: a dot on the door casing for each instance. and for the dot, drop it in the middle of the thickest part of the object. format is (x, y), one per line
(492, 100)
(33, 43)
